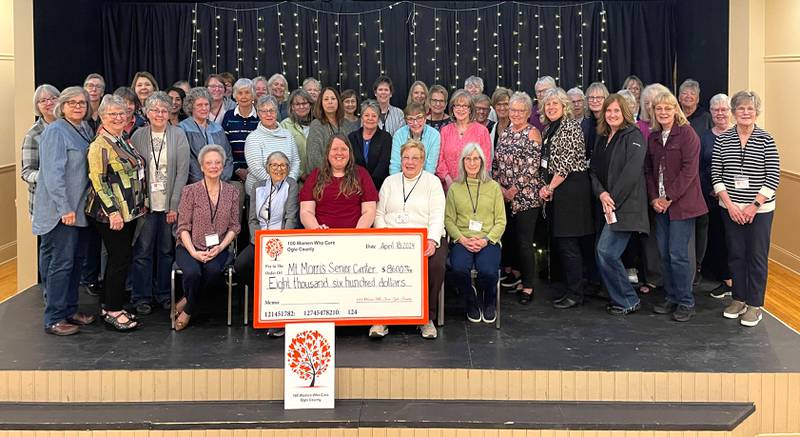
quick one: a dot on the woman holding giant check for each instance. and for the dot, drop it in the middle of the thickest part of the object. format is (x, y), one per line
(414, 199)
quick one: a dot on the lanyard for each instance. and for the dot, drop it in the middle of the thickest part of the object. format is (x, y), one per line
(81, 133)
(157, 158)
(211, 208)
(203, 131)
(272, 190)
(383, 116)
(406, 196)
(411, 135)
(477, 196)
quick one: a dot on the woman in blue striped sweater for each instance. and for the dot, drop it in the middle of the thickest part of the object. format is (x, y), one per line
(745, 172)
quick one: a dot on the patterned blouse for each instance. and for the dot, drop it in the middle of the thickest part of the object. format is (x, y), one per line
(117, 176)
(567, 147)
(516, 164)
(194, 213)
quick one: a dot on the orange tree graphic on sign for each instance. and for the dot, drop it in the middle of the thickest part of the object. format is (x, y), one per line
(309, 355)
(274, 248)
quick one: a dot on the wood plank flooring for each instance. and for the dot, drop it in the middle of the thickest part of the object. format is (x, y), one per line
(783, 291)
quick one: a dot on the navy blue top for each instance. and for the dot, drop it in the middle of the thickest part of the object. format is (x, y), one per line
(237, 128)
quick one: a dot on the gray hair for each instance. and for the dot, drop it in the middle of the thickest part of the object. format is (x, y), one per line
(480, 97)
(158, 97)
(110, 100)
(521, 97)
(576, 92)
(649, 92)
(67, 95)
(259, 79)
(94, 76)
(499, 93)
(276, 155)
(37, 95)
(629, 98)
(244, 83)
(267, 99)
(313, 81)
(211, 148)
(371, 104)
(720, 100)
(690, 84)
(278, 76)
(597, 86)
(462, 94)
(198, 92)
(561, 96)
(744, 96)
(483, 172)
(546, 80)
(474, 80)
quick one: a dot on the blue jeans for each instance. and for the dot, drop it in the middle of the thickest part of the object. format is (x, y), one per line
(198, 276)
(152, 260)
(60, 260)
(673, 238)
(486, 262)
(610, 246)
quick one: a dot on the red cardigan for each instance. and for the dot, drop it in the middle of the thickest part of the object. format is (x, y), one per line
(681, 158)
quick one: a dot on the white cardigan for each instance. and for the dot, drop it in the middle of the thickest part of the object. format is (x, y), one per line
(425, 205)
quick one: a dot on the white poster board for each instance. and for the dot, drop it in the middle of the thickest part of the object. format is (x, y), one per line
(309, 366)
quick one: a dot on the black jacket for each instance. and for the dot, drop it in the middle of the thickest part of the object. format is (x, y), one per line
(380, 153)
(626, 182)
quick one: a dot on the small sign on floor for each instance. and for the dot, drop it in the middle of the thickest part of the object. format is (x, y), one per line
(310, 366)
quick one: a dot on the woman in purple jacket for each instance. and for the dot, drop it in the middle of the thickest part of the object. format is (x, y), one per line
(673, 188)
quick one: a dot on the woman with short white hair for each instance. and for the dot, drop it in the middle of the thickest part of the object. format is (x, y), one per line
(44, 101)
(578, 101)
(268, 137)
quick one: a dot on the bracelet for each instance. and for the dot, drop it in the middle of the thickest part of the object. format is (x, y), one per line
(548, 189)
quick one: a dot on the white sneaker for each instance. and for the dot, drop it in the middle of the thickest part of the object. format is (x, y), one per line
(378, 331)
(428, 330)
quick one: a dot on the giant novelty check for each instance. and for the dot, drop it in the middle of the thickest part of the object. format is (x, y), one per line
(346, 276)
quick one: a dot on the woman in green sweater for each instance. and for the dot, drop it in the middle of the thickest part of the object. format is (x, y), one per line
(475, 219)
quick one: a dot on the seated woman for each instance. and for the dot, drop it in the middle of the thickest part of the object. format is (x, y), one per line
(338, 194)
(208, 221)
(273, 205)
(415, 199)
(371, 144)
(475, 219)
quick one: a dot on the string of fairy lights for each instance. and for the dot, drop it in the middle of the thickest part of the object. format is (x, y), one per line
(485, 48)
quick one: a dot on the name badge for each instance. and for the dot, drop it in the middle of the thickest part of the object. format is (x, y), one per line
(544, 163)
(741, 182)
(212, 240)
(158, 186)
(611, 217)
(141, 174)
(402, 218)
(475, 226)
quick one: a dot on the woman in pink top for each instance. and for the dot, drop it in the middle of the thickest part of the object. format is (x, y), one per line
(456, 135)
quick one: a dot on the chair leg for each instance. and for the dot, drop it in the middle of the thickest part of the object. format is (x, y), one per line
(440, 317)
(497, 304)
(230, 293)
(172, 299)
(246, 304)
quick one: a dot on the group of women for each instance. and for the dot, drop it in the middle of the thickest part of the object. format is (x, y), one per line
(163, 177)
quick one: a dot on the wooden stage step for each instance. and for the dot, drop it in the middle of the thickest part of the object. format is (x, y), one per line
(379, 413)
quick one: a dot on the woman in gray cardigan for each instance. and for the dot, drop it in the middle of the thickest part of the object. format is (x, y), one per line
(273, 205)
(166, 153)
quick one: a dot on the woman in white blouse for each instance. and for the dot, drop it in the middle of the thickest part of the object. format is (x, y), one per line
(414, 199)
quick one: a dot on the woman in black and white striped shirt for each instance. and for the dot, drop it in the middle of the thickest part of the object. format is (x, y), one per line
(745, 172)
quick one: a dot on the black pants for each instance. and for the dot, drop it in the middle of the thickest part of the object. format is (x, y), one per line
(198, 276)
(570, 255)
(748, 253)
(700, 239)
(119, 245)
(525, 227)
(716, 261)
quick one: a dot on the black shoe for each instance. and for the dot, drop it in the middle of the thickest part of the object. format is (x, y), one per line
(489, 314)
(474, 315)
(94, 289)
(722, 291)
(525, 298)
(683, 313)
(665, 307)
(143, 309)
(616, 310)
(698, 277)
(166, 306)
(566, 302)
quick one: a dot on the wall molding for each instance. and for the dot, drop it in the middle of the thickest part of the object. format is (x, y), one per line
(790, 175)
(5, 168)
(784, 257)
(8, 251)
(6, 56)
(781, 58)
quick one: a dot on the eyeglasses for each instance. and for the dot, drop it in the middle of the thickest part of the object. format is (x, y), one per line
(438, 101)
(278, 166)
(459, 106)
(92, 86)
(116, 114)
(412, 158)
(267, 111)
(301, 104)
(47, 100)
(216, 87)
(416, 119)
(158, 111)
(481, 109)
(517, 111)
(76, 103)
(720, 110)
(502, 104)
(595, 98)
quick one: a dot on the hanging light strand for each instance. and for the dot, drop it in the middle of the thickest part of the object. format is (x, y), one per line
(297, 43)
(435, 41)
(558, 46)
(195, 31)
(338, 52)
(238, 33)
(498, 70)
(316, 47)
(455, 62)
(539, 27)
(414, 39)
(476, 41)
(281, 39)
(603, 43)
(580, 42)
(216, 41)
(518, 38)
(380, 41)
(259, 41)
(359, 71)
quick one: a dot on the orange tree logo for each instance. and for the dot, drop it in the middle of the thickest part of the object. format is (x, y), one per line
(274, 248)
(309, 355)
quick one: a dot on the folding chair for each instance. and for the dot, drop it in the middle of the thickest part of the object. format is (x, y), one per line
(473, 276)
(229, 271)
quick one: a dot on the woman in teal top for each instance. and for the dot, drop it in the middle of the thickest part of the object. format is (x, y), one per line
(475, 219)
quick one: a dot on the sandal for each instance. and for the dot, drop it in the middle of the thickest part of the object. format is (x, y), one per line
(181, 323)
(646, 288)
(179, 306)
(104, 313)
(114, 321)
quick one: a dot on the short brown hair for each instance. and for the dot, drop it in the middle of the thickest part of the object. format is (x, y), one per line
(145, 74)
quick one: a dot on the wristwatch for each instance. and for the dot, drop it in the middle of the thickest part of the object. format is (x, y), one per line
(757, 203)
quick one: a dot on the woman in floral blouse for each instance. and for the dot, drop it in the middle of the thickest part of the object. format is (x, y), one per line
(568, 187)
(516, 169)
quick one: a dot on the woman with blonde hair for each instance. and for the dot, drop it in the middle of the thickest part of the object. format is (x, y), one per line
(418, 93)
